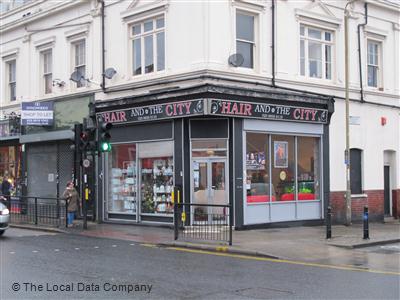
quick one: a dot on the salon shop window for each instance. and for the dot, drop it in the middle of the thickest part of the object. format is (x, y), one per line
(141, 179)
(282, 168)
(122, 188)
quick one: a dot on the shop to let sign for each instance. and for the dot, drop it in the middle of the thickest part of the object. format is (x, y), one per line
(37, 113)
(218, 107)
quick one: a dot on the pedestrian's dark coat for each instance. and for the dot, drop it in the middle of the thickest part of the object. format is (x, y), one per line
(72, 197)
(5, 187)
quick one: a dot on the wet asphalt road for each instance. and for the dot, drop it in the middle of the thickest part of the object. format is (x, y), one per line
(37, 264)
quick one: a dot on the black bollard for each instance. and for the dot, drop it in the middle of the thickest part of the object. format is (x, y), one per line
(366, 224)
(329, 223)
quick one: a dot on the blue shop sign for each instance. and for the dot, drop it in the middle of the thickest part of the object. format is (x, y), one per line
(37, 113)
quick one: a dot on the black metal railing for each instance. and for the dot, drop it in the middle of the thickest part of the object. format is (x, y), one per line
(40, 211)
(207, 222)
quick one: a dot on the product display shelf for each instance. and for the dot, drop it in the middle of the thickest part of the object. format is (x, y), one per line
(123, 187)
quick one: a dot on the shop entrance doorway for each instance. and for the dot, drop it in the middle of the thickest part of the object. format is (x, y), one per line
(209, 186)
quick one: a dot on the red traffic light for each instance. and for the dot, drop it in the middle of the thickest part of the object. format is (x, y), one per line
(84, 136)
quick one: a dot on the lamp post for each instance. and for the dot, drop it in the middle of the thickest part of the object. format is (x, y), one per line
(346, 75)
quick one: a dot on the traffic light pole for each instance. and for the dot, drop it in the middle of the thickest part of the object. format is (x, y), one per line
(85, 193)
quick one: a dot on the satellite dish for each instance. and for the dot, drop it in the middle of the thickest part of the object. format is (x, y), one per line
(109, 73)
(236, 60)
(76, 76)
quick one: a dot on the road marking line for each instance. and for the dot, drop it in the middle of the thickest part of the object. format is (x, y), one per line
(35, 251)
(12, 252)
(132, 244)
(76, 248)
(96, 247)
(56, 250)
(293, 262)
(114, 246)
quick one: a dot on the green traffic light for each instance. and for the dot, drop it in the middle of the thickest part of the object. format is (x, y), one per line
(105, 147)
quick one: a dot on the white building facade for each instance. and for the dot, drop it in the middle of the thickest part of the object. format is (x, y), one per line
(237, 102)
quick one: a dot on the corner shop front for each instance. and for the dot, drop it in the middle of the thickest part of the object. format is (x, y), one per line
(265, 158)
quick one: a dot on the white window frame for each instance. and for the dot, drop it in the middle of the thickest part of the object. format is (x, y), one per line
(141, 36)
(255, 15)
(379, 65)
(46, 72)
(324, 43)
(76, 65)
(9, 82)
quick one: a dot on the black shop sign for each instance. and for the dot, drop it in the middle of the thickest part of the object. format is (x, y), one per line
(266, 111)
(217, 107)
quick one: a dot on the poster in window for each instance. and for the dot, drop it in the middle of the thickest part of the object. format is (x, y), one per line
(280, 154)
(255, 160)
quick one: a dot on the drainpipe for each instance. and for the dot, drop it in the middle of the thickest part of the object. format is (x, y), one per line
(359, 50)
(273, 42)
(103, 55)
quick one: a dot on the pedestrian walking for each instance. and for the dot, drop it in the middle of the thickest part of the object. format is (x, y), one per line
(72, 197)
(6, 187)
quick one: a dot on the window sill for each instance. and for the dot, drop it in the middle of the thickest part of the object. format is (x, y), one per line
(359, 196)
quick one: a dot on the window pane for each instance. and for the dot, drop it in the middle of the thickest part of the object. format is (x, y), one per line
(82, 82)
(314, 33)
(208, 144)
(314, 51)
(160, 23)
(148, 58)
(246, 49)
(160, 51)
(137, 57)
(245, 27)
(328, 36)
(355, 171)
(148, 26)
(209, 153)
(372, 76)
(257, 169)
(80, 53)
(123, 180)
(328, 62)
(47, 62)
(12, 70)
(315, 59)
(302, 58)
(13, 95)
(136, 29)
(157, 182)
(48, 83)
(308, 158)
(283, 167)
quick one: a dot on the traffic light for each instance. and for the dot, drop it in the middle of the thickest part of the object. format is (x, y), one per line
(104, 137)
(84, 140)
(76, 137)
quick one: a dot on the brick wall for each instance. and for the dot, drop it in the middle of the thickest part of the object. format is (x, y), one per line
(396, 203)
(374, 200)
